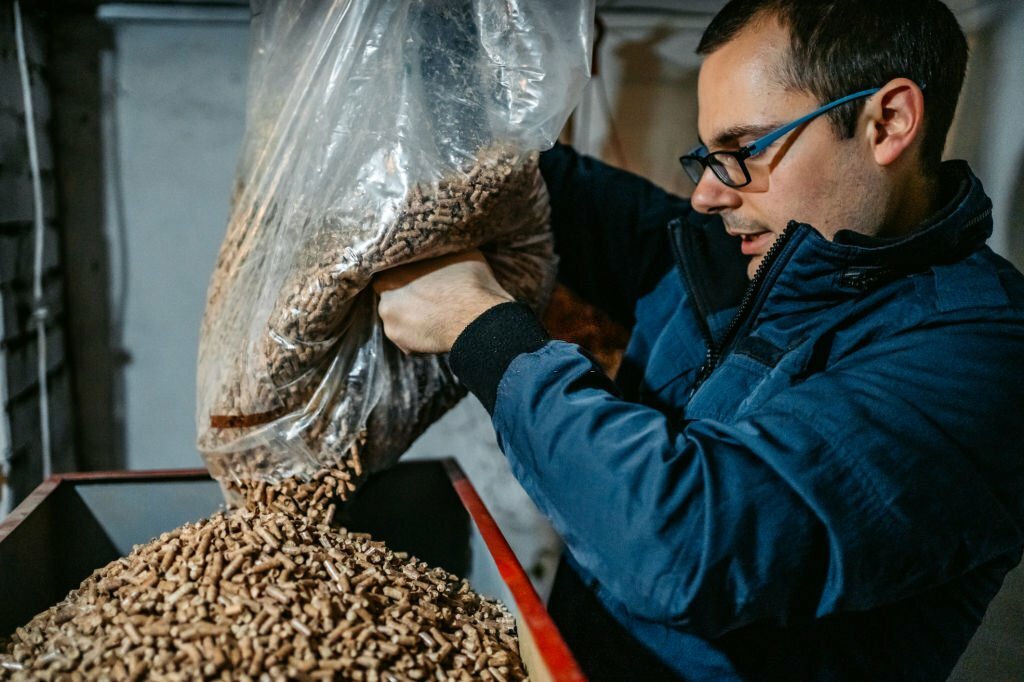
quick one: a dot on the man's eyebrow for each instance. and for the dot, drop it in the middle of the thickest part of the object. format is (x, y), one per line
(730, 136)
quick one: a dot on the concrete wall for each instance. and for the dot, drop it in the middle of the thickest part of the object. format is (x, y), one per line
(173, 116)
(77, 41)
(639, 111)
(989, 126)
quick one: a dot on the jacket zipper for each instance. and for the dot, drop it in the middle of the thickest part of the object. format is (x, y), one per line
(691, 286)
(716, 351)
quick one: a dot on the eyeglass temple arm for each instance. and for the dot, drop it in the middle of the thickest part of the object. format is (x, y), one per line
(759, 145)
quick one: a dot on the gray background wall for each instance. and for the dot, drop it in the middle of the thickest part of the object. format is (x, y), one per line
(173, 119)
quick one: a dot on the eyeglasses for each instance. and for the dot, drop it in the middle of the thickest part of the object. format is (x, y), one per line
(730, 166)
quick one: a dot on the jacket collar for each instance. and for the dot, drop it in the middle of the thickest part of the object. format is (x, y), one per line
(816, 269)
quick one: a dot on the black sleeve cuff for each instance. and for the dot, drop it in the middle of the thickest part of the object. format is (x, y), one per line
(485, 349)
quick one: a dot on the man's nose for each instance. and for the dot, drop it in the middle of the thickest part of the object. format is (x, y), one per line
(711, 195)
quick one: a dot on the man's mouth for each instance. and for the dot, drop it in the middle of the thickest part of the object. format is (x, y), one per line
(756, 244)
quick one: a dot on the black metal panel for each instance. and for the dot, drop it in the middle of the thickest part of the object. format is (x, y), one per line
(414, 508)
(49, 553)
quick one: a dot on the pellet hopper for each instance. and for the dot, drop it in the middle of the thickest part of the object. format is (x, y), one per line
(73, 524)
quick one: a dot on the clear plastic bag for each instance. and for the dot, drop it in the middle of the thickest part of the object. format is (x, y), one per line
(379, 132)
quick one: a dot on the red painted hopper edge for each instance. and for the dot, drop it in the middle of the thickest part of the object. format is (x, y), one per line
(27, 506)
(550, 645)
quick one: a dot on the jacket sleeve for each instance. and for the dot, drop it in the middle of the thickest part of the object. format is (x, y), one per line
(862, 485)
(610, 230)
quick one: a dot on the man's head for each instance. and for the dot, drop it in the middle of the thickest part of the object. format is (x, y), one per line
(867, 165)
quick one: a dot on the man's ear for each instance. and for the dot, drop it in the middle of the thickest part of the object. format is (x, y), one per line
(895, 116)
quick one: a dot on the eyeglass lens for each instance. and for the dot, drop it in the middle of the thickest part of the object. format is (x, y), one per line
(726, 168)
(693, 167)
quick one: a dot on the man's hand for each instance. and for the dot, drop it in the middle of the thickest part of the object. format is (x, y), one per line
(426, 305)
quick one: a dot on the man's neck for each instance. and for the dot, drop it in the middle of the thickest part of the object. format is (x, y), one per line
(915, 203)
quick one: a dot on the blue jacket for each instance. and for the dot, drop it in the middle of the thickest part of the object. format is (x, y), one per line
(817, 475)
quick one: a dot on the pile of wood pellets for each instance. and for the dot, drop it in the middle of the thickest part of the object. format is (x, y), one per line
(270, 591)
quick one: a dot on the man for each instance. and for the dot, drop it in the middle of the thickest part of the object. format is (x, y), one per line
(809, 465)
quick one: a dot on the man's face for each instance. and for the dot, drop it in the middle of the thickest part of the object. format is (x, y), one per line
(809, 175)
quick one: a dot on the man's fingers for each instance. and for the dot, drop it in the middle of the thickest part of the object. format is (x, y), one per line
(384, 281)
(388, 316)
(395, 278)
(400, 275)
(425, 305)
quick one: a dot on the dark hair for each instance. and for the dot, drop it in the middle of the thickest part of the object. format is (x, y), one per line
(838, 47)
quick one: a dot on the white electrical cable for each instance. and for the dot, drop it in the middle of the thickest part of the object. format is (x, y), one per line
(39, 313)
(6, 494)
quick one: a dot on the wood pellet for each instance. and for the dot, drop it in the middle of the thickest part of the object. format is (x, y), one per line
(256, 593)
